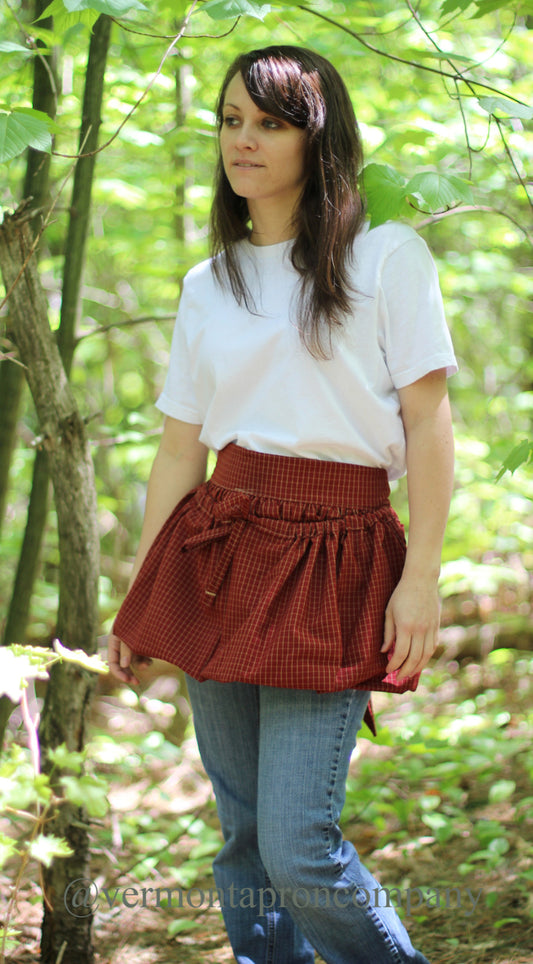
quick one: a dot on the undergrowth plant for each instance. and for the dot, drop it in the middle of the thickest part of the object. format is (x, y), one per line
(456, 773)
(29, 798)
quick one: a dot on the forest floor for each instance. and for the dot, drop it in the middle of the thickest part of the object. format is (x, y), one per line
(463, 868)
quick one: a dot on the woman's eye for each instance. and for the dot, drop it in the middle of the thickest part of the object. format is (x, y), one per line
(230, 121)
(271, 124)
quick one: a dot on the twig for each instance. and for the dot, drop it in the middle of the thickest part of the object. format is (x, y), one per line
(458, 73)
(140, 99)
(161, 36)
(465, 128)
(129, 322)
(468, 208)
(123, 439)
(61, 954)
(403, 60)
(10, 356)
(512, 160)
(447, 60)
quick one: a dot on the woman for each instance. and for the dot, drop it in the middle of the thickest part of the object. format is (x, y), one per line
(311, 353)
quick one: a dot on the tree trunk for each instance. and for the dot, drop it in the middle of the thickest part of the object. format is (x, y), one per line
(74, 256)
(69, 688)
(80, 203)
(36, 185)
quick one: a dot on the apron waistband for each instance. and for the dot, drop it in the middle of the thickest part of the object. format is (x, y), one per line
(301, 479)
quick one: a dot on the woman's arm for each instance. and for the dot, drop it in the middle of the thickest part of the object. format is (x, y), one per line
(413, 612)
(179, 466)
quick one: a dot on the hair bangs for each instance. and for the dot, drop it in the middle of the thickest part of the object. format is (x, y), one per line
(281, 87)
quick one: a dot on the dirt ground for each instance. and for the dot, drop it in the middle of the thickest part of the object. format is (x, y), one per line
(170, 790)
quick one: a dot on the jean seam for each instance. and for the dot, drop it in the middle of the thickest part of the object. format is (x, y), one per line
(271, 929)
(370, 912)
(333, 776)
(387, 937)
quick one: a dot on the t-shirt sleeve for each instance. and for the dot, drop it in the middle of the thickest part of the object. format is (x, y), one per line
(178, 398)
(417, 340)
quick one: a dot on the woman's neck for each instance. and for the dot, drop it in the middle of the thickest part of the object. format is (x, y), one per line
(270, 226)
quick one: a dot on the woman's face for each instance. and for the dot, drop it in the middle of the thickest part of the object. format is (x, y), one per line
(263, 156)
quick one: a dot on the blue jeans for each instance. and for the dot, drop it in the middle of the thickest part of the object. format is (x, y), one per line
(288, 883)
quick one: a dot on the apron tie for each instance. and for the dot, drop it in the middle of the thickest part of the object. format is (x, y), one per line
(230, 520)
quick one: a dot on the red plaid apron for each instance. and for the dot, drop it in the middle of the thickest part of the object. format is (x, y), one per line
(277, 571)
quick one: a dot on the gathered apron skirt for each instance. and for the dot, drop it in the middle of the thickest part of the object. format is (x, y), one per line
(277, 571)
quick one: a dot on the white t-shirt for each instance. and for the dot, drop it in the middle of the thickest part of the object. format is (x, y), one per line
(248, 378)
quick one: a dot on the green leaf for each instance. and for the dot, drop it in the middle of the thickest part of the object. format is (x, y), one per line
(45, 848)
(227, 9)
(441, 825)
(484, 7)
(64, 21)
(509, 108)
(7, 848)
(521, 454)
(66, 759)
(24, 789)
(414, 53)
(385, 192)
(11, 940)
(498, 846)
(113, 8)
(78, 656)
(88, 792)
(489, 6)
(182, 925)
(8, 47)
(450, 6)
(21, 129)
(501, 790)
(439, 191)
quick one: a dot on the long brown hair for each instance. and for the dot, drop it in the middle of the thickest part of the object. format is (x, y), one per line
(301, 87)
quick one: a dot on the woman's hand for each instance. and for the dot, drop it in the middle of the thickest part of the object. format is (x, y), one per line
(122, 661)
(412, 625)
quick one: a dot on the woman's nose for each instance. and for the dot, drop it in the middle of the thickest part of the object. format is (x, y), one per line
(246, 137)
